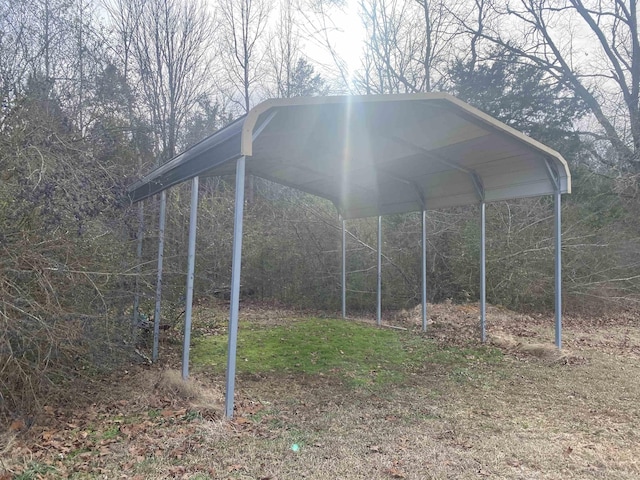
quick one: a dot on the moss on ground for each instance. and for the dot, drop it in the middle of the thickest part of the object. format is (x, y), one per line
(359, 353)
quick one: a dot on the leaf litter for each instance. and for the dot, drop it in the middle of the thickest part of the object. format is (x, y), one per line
(147, 423)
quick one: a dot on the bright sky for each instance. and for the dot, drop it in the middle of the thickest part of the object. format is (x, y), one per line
(347, 39)
(352, 36)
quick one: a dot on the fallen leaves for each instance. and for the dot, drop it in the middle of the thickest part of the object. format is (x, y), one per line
(166, 413)
(235, 468)
(94, 439)
(241, 420)
(120, 438)
(395, 472)
(17, 425)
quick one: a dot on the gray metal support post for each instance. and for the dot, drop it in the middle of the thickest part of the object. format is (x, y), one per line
(483, 274)
(139, 238)
(191, 261)
(379, 276)
(235, 289)
(156, 315)
(344, 270)
(424, 270)
(558, 267)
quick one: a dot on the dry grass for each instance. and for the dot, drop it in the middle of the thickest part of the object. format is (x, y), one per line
(537, 414)
(170, 382)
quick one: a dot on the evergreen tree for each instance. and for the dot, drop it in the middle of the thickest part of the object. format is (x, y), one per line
(305, 82)
(522, 96)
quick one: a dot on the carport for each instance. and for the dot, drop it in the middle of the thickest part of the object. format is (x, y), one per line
(370, 156)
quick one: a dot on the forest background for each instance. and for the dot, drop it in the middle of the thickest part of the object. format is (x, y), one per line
(95, 94)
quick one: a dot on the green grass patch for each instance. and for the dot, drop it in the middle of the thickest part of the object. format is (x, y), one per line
(111, 433)
(35, 470)
(361, 354)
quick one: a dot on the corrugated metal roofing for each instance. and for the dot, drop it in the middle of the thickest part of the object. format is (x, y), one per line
(375, 155)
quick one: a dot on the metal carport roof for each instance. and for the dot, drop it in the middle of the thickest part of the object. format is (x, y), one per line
(371, 156)
(375, 155)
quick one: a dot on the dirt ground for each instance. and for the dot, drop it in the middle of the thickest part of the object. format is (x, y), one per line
(537, 414)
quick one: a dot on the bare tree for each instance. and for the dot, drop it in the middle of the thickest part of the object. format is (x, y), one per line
(243, 28)
(14, 59)
(388, 60)
(592, 45)
(167, 43)
(124, 23)
(291, 72)
(319, 27)
(55, 43)
(409, 43)
(284, 49)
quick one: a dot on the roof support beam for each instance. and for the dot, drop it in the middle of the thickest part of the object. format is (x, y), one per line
(413, 185)
(191, 261)
(156, 315)
(477, 183)
(235, 288)
(558, 266)
(424, 270)
(379, 275)
(557, 221)
(343, 283)
(263, 125)
(552, 173)
(483, 274)
(140, 237)
(430, 154)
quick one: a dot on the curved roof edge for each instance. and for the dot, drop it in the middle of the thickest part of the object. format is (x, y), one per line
(251, 120)
(407, 152)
